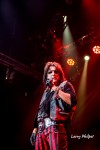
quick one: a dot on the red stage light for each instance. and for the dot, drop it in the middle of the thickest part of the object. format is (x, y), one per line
(70, 62)
(96, 49)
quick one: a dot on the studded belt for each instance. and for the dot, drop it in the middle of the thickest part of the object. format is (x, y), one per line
(47, 122)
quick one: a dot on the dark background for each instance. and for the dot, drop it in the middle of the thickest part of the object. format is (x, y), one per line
(27, 36)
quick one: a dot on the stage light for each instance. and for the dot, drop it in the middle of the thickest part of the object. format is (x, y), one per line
(10, 74)
(86, 57)
(96, 49)
(65, 18)
(70, 62)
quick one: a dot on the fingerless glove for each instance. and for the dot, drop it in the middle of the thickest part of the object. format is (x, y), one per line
(33, 138)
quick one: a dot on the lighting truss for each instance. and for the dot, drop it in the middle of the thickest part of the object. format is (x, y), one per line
(15, 65)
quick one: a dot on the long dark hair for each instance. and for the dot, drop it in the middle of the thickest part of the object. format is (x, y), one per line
(59, 69)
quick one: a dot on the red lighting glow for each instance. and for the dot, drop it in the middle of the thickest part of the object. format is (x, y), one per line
(96, 49)
(70, 62)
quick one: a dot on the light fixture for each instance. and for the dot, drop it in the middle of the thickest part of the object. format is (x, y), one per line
(86, 57)
(70, 62)
(96, 49)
